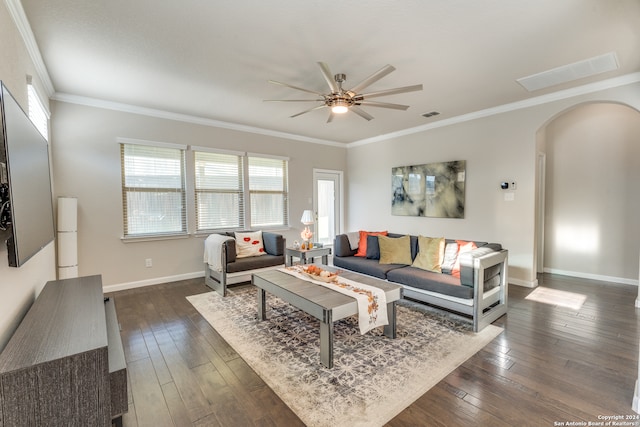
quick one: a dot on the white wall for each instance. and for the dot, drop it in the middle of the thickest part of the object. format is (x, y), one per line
(86, 164)
(497, 148)
(18, 286)
(592, 198)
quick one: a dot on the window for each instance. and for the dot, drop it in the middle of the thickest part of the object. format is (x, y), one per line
(37, 113)
(219, 188)
(153, 189)
(268, 191)
(234, 191)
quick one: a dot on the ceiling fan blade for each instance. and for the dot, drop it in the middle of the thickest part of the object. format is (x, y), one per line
(331, 116)
(296, 87)
(383, 105)
(373, 78)
(388, 92)
(326, 73)
(310, 109)
(359, 111)
(292, 100)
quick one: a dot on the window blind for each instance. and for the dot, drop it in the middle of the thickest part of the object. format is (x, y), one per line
(219, 191)
(153, 190)
(268, 192)
(37, 113)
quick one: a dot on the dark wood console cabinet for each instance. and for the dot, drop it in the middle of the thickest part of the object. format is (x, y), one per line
(65, 363)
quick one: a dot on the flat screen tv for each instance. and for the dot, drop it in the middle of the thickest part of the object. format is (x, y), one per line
(26, 220)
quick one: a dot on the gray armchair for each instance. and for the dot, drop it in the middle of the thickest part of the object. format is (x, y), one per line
(235, 270)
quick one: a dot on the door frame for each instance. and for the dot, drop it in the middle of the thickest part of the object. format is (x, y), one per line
(541, 171)
(340, 199)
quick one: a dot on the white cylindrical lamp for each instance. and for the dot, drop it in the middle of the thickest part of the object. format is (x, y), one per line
(67, 237)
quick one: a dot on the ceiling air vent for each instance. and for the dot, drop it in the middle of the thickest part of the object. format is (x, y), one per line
(431, 114)
(571, 72)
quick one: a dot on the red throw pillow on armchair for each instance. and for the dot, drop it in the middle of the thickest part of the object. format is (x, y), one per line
(362, 244)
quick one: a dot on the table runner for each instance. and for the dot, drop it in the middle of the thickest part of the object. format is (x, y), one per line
(372, 301)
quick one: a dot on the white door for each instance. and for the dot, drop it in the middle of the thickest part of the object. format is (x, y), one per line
(327, 205)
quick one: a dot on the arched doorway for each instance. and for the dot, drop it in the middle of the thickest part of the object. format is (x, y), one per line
(588, 198)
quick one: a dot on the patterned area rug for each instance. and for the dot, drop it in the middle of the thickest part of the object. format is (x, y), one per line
(373, 379)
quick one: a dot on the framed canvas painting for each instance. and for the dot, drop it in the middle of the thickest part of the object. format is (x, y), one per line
(432, 190)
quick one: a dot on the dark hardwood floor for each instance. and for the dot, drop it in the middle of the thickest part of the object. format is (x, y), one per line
(551, 365)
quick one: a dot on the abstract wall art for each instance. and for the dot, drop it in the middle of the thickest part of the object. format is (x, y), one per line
(431, 190)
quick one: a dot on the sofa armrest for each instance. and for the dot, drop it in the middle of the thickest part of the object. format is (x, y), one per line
(274, 243)
(341, 246)
(229, 251)
(491, 259)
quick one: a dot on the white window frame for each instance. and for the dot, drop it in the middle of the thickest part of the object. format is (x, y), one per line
(241, 191)
(184, 217)
(285, 191)
(190, 198)
(245, 210)
(38, 113)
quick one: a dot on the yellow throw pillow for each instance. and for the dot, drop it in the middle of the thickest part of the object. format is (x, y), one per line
(430, 254)
(395, 250)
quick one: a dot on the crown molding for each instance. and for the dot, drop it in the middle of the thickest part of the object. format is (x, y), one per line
(24, 28)
(505, 108)
(161, 114)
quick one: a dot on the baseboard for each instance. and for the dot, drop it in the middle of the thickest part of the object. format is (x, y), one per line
(592, 276)
(154, 281)
(523, 283)
(636, 399)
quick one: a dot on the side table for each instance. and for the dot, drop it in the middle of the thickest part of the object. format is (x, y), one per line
(306, 254)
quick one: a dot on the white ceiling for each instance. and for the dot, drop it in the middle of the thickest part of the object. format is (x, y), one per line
(212, 59)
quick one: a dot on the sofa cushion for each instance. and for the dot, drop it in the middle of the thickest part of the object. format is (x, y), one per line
(450, 256)
(463, 247)
(274, 243)
(430, 281)
(430, 254)
(249, 244)
(362, 243)
(373, 247)
(370, 267)
(395, 250)
(230, 250)
(252, 263)
(342, 246)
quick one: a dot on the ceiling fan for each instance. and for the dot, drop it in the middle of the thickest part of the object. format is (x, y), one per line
(340, 100)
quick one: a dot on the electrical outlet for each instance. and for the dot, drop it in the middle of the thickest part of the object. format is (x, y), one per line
(148, 262)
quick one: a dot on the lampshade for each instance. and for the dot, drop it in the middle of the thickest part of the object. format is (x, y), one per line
(307, 217)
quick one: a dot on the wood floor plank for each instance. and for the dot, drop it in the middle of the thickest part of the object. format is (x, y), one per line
(550, 364)
(185, 381)
(150, 407)
(175, 404)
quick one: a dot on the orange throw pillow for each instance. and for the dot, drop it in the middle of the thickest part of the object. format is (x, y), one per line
(463, 246)
(362, 244)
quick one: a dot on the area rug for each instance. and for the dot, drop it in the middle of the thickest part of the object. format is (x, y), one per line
(373, 379)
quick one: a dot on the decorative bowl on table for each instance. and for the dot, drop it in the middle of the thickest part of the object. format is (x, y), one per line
(316, 273)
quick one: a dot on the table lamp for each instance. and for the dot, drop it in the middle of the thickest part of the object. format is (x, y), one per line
(307, 219)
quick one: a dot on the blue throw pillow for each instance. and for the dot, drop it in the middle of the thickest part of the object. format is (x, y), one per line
(373, 247)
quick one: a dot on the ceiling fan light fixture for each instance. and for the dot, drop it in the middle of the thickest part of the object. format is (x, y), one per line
(339, 106)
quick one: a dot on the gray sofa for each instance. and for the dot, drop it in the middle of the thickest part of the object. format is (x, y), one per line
(480, 292)
(235, 270)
